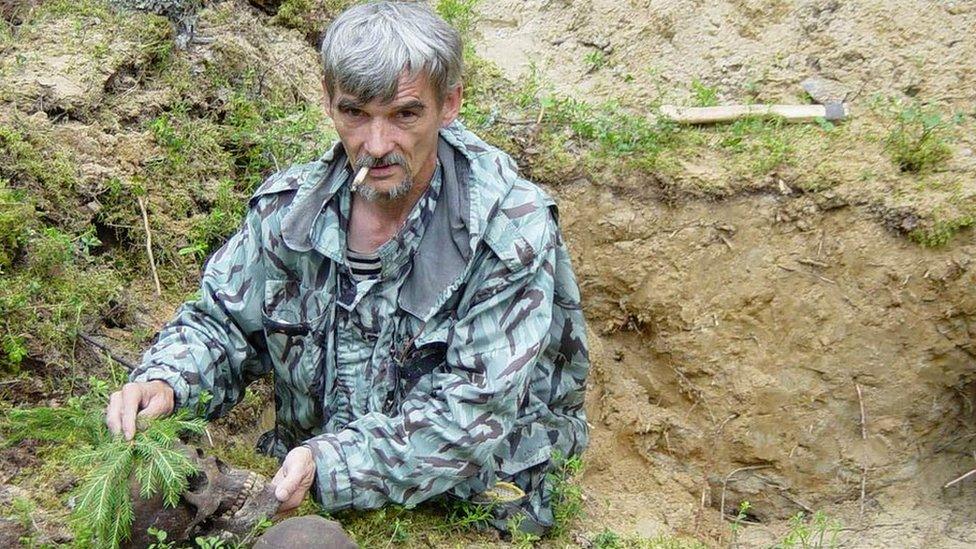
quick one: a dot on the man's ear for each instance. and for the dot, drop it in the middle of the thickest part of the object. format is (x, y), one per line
(327, 99)
(452, 105)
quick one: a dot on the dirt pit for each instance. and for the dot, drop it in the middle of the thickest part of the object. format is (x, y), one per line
(773, 348)
(729, 348)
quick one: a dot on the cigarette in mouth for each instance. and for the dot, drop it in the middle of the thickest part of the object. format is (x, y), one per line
(360, 177)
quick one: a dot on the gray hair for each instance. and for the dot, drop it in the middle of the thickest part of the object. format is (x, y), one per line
(369, 46)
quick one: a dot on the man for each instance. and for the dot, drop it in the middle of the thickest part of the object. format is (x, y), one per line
(424, 329)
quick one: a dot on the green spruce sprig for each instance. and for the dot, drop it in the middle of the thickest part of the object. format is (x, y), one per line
(103, 508)
(103, 512)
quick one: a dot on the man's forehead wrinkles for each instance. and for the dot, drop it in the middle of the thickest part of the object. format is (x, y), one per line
(397, 104)
(412, 104)
(349, 102)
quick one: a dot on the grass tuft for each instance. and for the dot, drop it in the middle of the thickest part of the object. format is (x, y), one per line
(567, 496)
(919, 136)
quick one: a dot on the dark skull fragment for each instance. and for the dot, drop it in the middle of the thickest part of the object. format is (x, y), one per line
(221, 501)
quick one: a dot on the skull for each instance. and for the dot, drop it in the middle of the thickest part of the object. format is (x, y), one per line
(221, 500)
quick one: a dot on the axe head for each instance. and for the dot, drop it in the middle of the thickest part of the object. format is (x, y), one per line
(835, 111)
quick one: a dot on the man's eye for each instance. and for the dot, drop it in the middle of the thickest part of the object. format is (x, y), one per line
(407, 115)
(348, 111)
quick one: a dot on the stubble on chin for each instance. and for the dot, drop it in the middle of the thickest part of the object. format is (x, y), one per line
(371, 194)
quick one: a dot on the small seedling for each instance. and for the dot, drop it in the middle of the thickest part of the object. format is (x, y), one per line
(567, 496)
(702, 95)
(520, 538)
(607, 539)
(595, 60)
(737, 522)
(918, 138)
(818, 533)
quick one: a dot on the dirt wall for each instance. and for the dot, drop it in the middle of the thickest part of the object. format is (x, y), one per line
(733, 336)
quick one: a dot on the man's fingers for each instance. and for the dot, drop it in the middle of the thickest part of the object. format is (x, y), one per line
(157, 406)
(294, 500)
(287, 483)
(131, 397)
(113, 414)
(294, 478)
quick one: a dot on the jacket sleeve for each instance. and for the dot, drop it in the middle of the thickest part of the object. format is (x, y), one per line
(211, 344)
(448, 432)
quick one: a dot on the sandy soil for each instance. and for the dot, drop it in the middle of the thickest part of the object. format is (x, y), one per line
(731, 338)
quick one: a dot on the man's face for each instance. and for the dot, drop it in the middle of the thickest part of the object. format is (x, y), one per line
(398, 139)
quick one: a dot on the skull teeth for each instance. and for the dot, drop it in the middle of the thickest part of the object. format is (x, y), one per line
(252, 485)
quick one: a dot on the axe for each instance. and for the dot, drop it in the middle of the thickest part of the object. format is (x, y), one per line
(828, 105)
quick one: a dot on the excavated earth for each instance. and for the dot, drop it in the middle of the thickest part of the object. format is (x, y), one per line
(793, 350)
(782, 349)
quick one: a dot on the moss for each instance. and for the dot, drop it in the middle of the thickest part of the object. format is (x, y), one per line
(941, 231)
(294, 14)
(31, 162)
(6, 35)
(437, 523)
(74, 9)
(310, 17)
(47, 299)
(17, 218)
(265, 135)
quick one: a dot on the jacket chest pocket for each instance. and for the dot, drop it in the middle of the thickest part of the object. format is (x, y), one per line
(295, 322)
(418, 351)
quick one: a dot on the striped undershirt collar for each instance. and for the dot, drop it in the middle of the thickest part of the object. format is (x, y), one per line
(363, 266)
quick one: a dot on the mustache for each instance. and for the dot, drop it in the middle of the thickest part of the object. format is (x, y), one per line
(367, 161)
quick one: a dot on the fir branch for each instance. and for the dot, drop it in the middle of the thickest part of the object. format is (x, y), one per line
(120, 527)
(103, 514)
(104, 496)
(166, 468)
(72, 423)
(148, 478)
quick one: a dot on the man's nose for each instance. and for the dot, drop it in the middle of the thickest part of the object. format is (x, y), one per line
(379, 140)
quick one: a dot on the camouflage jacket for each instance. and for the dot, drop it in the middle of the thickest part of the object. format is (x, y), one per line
(463, 365)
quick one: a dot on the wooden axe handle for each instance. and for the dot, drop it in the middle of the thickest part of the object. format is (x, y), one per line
(729, 113)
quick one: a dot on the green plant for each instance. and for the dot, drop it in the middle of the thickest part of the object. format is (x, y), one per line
(818, 533)
(31, 160)
(45, 298)
(942, 230)
(103, 510)
(160, 536)
(17, 217)
(918, 138)
(310, 17)
(736, 525)
(702, 95)
(607, 539)
(263, 135)
(567, 496)
(459, 14)
(15, 350)
(294, 13)
(595, 60)
(520, 538)
(464, 514)
(210, 542)
(761, 144)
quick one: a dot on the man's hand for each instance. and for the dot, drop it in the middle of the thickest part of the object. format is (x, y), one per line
(295, 477)
(150, 399)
